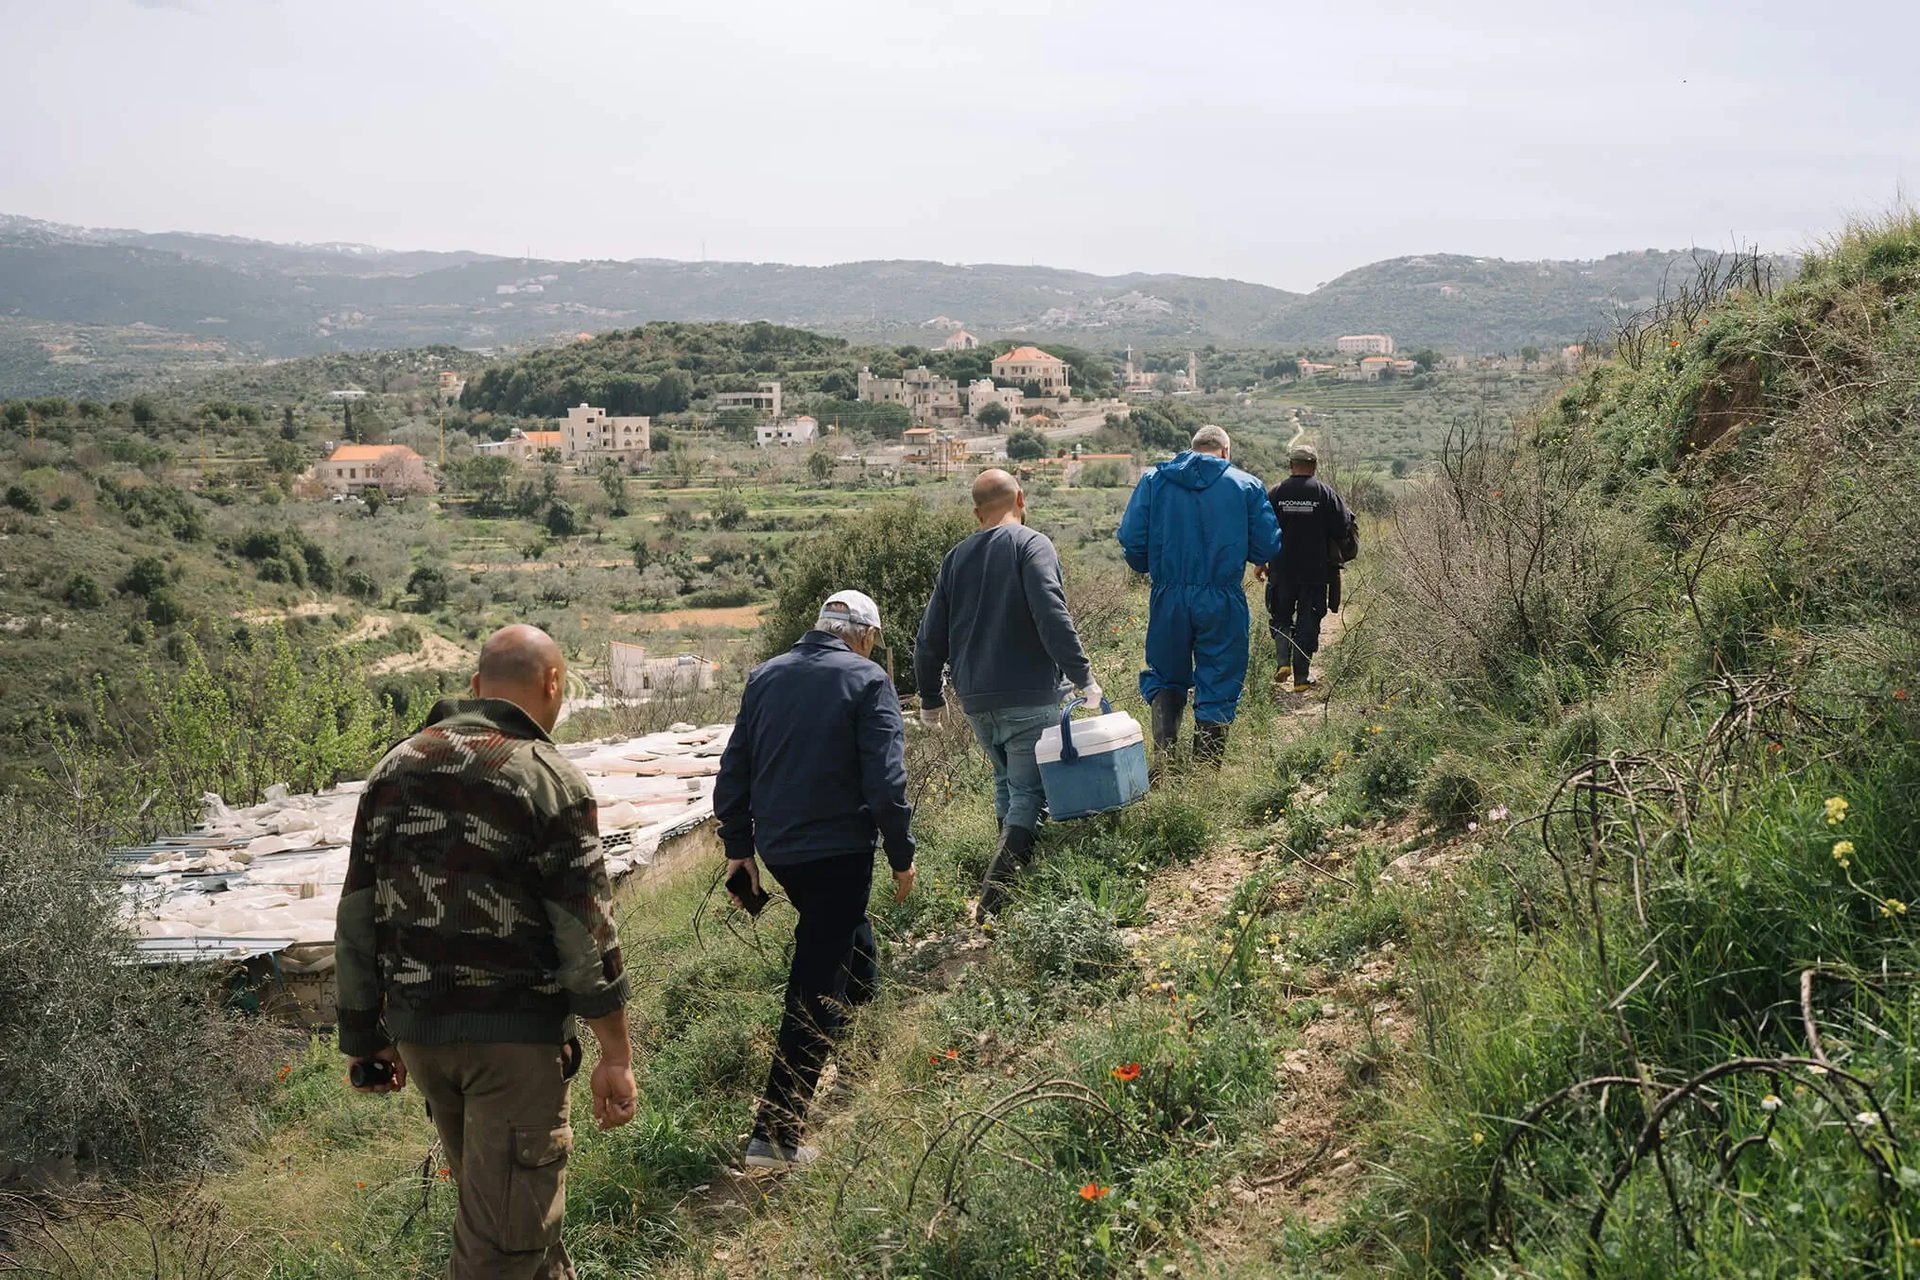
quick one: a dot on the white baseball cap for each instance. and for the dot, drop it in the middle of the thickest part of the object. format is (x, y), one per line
(854, 606)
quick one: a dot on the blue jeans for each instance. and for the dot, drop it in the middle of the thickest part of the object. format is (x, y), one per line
(1008, 737)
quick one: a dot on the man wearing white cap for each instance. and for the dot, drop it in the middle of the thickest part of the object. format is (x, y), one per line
(813, 776)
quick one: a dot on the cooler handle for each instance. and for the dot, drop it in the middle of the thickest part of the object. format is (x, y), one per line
(1068, 753)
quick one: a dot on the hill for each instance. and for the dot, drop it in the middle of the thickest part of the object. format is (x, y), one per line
(1457, 303)
(81, 303)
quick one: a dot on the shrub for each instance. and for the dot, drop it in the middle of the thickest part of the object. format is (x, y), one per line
(83, 592)
(164, 609)
(893, 553)
(105, 1062)
(562, 520)
(1068, 940)
(145, 576)
(1026, 444)
(21, 498)
(1451, 796)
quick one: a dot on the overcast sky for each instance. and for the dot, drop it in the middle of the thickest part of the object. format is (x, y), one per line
(1265, 140)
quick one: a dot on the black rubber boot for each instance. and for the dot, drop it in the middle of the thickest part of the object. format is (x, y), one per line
(1169, 705)
(1016, 847)
(1210, 742)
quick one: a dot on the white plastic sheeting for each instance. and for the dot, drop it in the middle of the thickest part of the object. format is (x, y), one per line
(273, 871)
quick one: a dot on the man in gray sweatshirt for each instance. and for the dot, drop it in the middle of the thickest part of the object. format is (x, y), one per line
(999, 617)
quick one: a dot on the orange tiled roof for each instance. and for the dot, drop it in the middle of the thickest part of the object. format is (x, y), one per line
(1029, 355)
(370, 452)
(544, 439)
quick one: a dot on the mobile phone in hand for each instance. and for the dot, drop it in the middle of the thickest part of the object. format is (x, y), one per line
(740, 885)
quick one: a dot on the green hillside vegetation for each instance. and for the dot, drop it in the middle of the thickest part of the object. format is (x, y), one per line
(669, 367)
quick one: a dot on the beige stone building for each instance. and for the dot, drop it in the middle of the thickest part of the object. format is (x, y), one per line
(765, 401)
(592, 435)
(925, 394)
(393, 469)
(1365, 344)
(1030, 364)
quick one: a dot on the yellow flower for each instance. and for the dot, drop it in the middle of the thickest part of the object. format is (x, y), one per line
(1478, 1137)
(1893, 907)
(1836, 810)
(1842, 850)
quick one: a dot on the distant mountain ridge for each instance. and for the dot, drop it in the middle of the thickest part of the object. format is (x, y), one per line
(258, 299)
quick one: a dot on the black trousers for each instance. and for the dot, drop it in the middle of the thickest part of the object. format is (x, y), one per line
(835, 967)
(1294, 611)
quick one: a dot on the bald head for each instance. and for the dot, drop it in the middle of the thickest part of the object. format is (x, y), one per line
(997, 498)
(524, 666)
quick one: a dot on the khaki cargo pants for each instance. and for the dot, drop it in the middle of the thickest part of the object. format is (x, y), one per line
(501, 1110)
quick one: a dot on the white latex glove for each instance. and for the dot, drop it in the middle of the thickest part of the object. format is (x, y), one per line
(1091, 692)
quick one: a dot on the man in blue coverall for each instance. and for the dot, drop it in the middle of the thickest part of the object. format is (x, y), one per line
(1193, 525)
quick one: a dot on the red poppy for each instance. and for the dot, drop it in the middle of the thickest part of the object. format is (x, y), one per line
(1899, 695)
(1093, 1191)
(1127, 1073)
(952, 1055)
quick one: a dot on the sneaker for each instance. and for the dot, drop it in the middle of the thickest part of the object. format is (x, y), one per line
(1281, 676)
(763, 1154)
(1305, 685)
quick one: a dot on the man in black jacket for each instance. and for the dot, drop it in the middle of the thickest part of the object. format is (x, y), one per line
(1315, 530)
(815, 771)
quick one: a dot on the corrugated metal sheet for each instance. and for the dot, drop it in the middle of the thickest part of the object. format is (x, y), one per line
(204, 947)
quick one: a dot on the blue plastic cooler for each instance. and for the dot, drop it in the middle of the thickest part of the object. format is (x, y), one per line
(1093, 765)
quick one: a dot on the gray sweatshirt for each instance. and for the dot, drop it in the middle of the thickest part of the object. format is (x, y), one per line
(999, 616)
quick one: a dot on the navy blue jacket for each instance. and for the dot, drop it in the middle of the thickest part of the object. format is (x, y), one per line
(1313, 520)
(817, 762)
(999, 614)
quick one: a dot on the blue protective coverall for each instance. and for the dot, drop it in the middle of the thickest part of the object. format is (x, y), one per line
(1193, 525)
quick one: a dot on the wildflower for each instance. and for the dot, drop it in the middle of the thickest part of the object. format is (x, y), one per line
(1836, 807)
(444, 1173)
(1842, 850)
(1478, 1137)
(1472, 827)
(1893, 907)
(1497, 814)
(1126, 1073)
(1770, 1103)
(1899, 695)
(952, 1055)
(1673, 344)
(1093, 1191)
(1867, 1117)
(361, 1185)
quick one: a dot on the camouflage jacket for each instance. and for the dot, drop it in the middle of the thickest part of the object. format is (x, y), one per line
(476, 905)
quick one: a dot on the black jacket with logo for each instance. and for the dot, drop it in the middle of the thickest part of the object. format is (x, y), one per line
(1314, 525)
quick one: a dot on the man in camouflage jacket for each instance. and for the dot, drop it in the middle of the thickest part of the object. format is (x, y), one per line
(475, 925)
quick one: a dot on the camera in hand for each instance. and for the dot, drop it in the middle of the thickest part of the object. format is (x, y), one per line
(740, 885)
(370, 1074)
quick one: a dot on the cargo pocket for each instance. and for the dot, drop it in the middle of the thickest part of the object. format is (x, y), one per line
(536, 1187)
